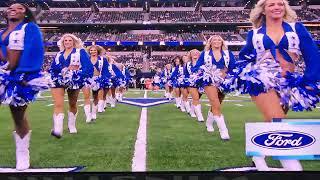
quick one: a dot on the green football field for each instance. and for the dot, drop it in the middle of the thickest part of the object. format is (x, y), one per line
(175, 141)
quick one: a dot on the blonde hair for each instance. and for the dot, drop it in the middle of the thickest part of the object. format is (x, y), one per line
(257, 17)
(77, 43)
(100, 49)
(207, 47)
(193, 51)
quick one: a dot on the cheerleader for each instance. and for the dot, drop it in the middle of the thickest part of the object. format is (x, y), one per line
(270, 66)
(165, 79)
(70, 70)
(177, 80)
(117, 81)
(213, 64)
(185, 106)
(156, 84)
(100, 80)
(192, 88)
(22, 53)
(127, 78)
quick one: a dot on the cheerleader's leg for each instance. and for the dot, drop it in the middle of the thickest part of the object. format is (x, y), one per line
(166, 94)
(195, 101)
(260, 163)
(99, 101)
(97, 104)
(121, 90)
(22, 137)
(184, 100)
(105, 97)
(271, 110)
(58, 112)
(291, 165)
(213, 95)
(170, 93)
(177, 97)
(86, 107)
(113, 97)
(22, 151)
(73, 111)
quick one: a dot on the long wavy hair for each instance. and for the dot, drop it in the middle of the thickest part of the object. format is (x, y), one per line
(174, 61)
(101, 50)
(193, 51)
(207, 47)
(257, 17)
(77, 43)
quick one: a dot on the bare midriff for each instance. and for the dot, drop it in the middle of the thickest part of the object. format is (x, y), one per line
(285, 65)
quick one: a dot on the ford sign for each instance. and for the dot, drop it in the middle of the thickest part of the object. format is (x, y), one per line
(283, 140)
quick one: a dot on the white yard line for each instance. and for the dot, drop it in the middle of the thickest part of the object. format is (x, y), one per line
(238, 105)
(50, 104)
(140, 149)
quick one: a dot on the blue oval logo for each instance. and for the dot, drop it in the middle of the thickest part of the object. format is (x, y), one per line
(283, 140)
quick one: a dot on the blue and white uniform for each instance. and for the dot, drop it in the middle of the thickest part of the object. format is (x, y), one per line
(126, 75)
(209, 71)
(177, 77)
(259, 70)
(103, 80)
(157, 80)
(117, 78)
(165, 77)
(71, 79)
(189, 76)
(20, 86)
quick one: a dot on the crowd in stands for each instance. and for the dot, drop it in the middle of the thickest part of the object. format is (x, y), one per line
(192, 37)
(100, 37)
(304, 15)
(225, 16)
(176, 16)
(316, 12)
(166, 37)
(64, 16)
(115, 16)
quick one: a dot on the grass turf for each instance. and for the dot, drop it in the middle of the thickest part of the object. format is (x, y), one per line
(178, 142)
(106, 145)
(175, 140)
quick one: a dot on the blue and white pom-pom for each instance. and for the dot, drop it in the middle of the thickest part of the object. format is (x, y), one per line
(19, 89)
(178, 82)
(105, 83)
(298, 94)
(208, 76)
(118, 82)
(72, 79)
(94, 83)
(253, 78)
